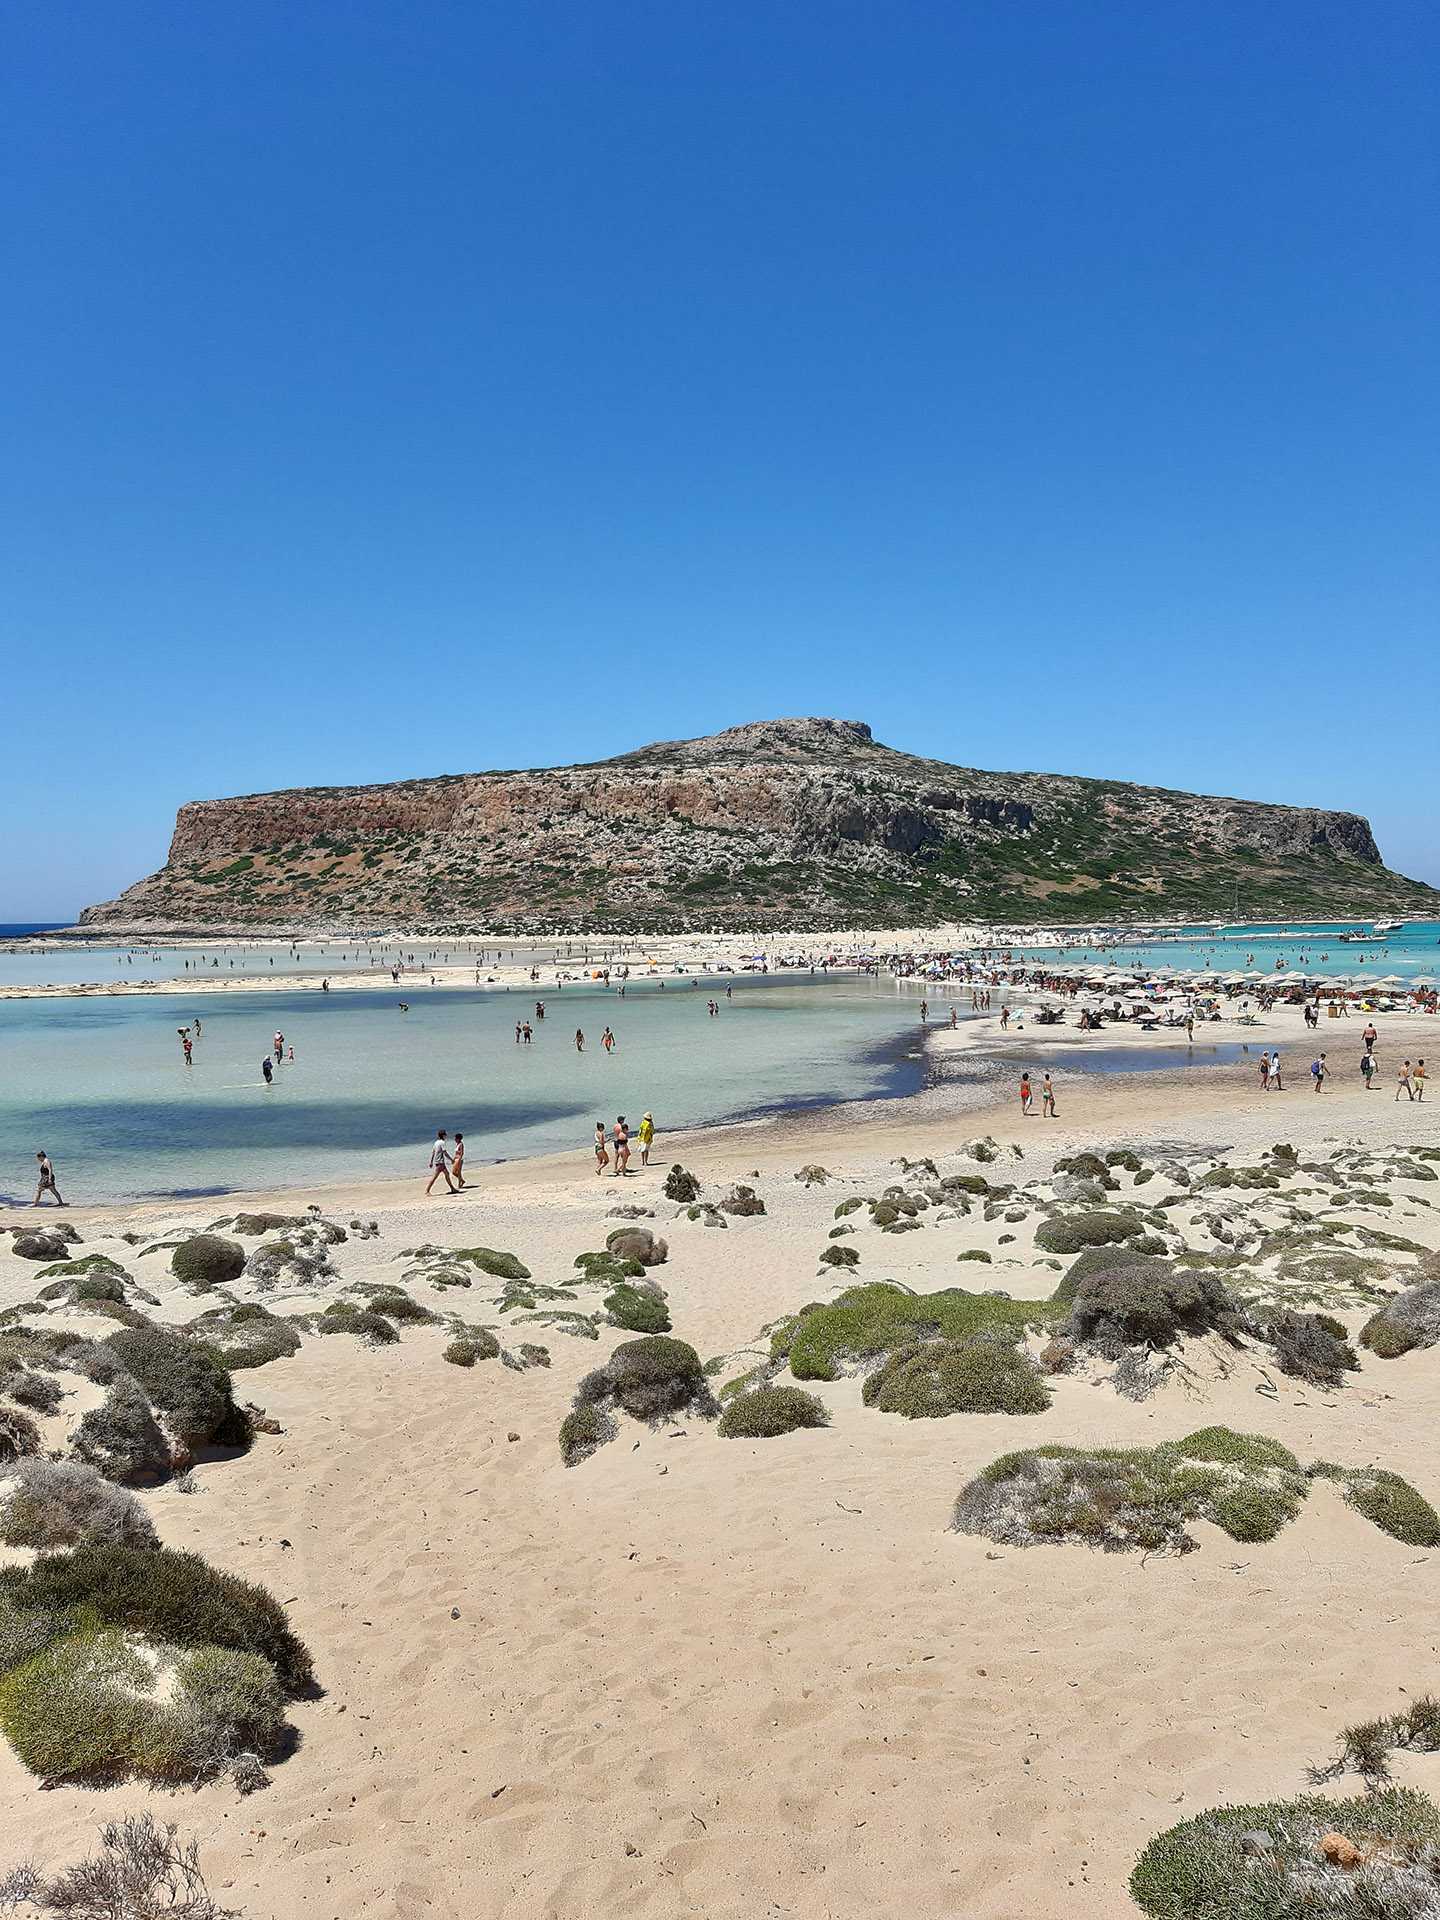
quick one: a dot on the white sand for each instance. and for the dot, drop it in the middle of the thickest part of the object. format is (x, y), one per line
(732, 1678)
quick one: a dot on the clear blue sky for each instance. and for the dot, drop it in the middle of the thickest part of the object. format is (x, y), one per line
(396, 389)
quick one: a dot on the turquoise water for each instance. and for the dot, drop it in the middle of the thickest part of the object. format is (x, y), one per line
(1305, 946)
(35, 964)
(101, 1084)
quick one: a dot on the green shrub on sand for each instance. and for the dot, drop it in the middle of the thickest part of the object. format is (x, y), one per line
(480, 1345)
(986, 1373)
(866, 1322)
(395, 1304)
(1073, 1232)
(1123, 1498)
(583, 1431)
(637, 1310)
(650, 1379)
(122, 1438)
(205, 1261)
(244, 1336)
(91, 1708)
(61, 1503)
(173, 1598)
(1214, 1867)
(1149, 1306)
(501, 1266)
(839, 1257)
(1311, 1347)
(1392, 1504)
(190, 1388)
(604, 1269)
(767, 1411)
(1107, 1259)
(342, 1316)
(19, 1435)
(1410, 1320)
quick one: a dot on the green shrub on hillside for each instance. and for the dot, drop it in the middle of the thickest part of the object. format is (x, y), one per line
(985, 1373)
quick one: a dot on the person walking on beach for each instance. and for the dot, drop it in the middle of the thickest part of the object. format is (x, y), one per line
(1370, 1036)
(457, 1162)
(1402, 1081)
(646, 1136)
(440, 1163)
(1264, 1073)
(602, 1152)
(1367, 1069)
(924, 1011)
(1047, 1098)
(1275, 1086)
(1025, 1093)
(1319, 1072)
(1417, 1080)
(622, 1146)
(954, 1019)
(1004, 1018)
(47, 1181)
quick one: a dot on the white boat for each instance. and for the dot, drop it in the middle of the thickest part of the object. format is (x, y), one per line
(1352, 939)
(1388, 926)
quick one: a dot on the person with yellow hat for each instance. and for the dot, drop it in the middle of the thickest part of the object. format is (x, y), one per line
(646, 1135)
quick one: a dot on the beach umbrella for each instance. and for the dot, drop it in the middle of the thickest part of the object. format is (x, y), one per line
(1389, 980)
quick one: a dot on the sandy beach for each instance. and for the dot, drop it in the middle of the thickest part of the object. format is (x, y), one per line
(709, 1676)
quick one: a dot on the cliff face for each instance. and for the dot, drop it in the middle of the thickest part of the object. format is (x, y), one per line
(785, 822)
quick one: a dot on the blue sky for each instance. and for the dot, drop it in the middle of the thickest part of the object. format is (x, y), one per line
(398, 389)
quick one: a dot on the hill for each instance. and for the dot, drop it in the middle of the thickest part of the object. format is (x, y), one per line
(780, 823)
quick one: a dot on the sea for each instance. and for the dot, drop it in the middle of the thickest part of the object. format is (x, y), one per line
(100, 1082)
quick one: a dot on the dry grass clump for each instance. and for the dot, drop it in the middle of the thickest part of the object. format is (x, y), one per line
(765, 1412)
(37, 1392)
(140, 1873)
(986, 1373)
(742, 1201)
(62, 1503)
(1215, 1866)
(1365, 1749)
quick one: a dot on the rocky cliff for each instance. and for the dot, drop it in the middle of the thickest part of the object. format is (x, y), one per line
(782, 823)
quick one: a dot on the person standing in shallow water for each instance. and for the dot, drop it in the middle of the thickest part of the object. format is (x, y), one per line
(579, 1039)
(1047, 1098)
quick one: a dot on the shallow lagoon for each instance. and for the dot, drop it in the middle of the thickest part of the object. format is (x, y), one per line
(101, 1083)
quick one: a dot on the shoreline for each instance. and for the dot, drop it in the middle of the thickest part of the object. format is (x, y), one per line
(927, 1120)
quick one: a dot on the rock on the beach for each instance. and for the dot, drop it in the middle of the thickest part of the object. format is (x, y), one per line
(637, 1243)
(43, 1243)
(1339, 1851)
